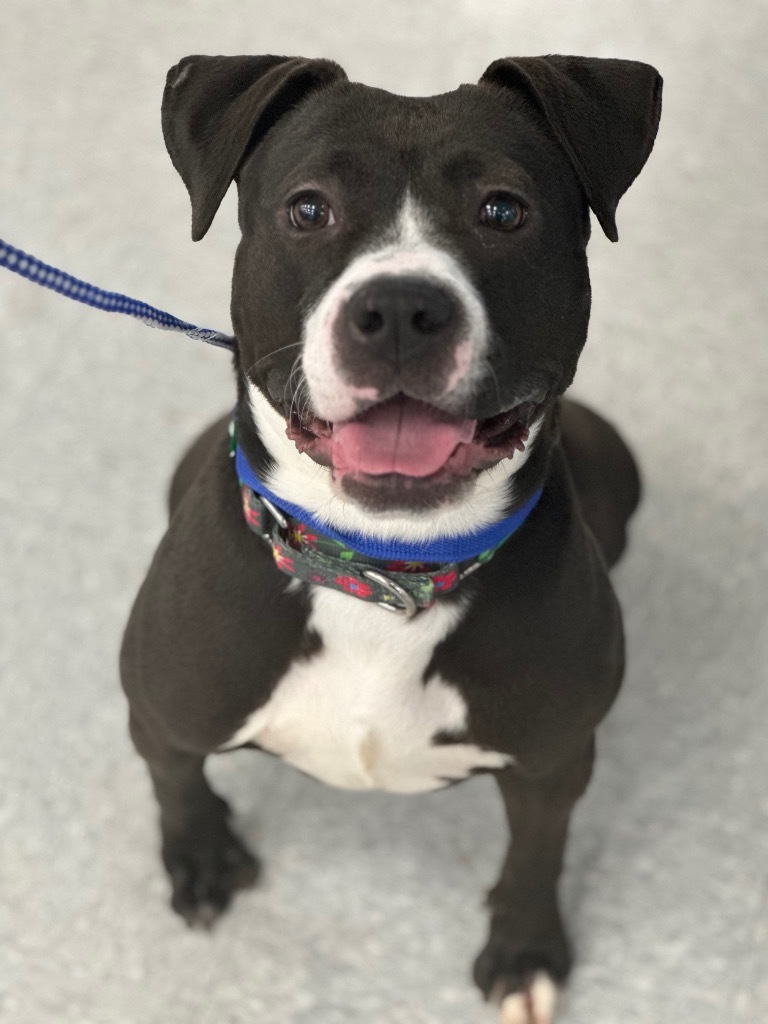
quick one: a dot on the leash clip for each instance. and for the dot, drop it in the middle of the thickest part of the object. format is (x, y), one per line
(407, 606)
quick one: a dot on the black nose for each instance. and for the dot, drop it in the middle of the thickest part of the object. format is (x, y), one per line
(401, 318)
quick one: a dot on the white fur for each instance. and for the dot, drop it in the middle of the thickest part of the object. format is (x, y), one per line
(299, 480)
(407, 249)
(535, 1006)
(358, 714)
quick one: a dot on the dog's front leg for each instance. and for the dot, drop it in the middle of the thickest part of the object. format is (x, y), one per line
(527, 955)
(206, 862)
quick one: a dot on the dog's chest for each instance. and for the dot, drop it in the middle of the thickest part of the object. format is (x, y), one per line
(358, 713)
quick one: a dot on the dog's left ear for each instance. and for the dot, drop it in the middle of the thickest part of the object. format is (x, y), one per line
(216, 109)
(604, 113)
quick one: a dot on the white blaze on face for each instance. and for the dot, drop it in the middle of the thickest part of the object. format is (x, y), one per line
(407, 250)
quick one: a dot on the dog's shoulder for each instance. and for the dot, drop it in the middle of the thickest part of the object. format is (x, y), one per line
(214, 626)
(539, 654)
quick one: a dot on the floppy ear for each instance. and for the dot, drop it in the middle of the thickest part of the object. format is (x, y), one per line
(216, 109)
(604, 113)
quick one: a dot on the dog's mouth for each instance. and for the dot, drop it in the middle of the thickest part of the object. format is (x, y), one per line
(404, 442)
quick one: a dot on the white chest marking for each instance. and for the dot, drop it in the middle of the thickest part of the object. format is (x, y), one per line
(358, 714)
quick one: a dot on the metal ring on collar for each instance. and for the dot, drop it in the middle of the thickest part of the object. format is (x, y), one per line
(276, 514)
(408, 606)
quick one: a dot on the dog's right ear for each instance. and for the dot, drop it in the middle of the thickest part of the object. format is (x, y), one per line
(216, 109)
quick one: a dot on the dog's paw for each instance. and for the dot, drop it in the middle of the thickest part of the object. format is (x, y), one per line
(205, 875)
(523, 986)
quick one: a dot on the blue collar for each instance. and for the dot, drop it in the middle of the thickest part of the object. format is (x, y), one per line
(444, 549)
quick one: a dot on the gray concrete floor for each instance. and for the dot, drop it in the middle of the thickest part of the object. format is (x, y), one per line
(370, 909)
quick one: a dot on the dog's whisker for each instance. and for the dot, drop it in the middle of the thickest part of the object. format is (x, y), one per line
(269, 355)
(300, 399)
(495, 380)
(295, 369)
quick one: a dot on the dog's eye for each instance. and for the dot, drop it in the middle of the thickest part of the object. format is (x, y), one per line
(310, 211)
(502, 211)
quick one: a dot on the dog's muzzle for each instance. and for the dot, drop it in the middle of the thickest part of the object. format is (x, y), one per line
(392, 363)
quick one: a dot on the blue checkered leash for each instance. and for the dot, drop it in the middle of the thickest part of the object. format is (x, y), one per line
(111, 302)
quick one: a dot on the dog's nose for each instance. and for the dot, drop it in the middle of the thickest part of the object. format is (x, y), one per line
(401, 318)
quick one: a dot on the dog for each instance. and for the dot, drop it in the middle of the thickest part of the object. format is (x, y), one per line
(389, 566)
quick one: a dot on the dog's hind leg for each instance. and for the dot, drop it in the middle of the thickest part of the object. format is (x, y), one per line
(527, 956)
(604, 473)
(206, 862)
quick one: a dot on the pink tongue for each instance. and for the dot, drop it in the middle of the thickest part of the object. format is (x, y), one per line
(398, 437)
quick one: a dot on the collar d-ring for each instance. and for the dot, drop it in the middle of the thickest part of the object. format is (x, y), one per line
(407, 606)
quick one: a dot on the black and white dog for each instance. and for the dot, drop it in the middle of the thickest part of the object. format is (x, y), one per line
(410, 298)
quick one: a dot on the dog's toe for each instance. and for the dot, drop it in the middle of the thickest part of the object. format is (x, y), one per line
(204, 879)
(534, 1003)
(522, 983)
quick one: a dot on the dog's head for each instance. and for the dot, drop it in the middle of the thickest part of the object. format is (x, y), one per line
(411, 291)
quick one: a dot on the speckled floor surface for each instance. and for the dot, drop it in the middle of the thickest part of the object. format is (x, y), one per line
(371, 905)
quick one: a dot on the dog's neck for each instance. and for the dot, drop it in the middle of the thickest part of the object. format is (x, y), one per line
(295, 480)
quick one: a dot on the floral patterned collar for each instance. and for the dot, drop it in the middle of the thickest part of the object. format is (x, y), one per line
(399, 584)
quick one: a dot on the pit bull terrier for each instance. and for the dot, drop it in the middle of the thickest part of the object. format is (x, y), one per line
(389, 566)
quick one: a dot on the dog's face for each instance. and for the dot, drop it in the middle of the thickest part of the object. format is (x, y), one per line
(411, 291)
(430, 255)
